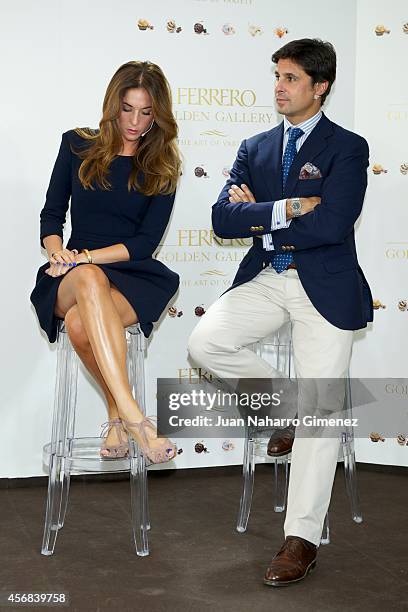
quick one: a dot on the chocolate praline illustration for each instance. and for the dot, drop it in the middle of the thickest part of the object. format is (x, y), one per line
(199, 311)
(143, 24)
(381, 29)
(378, 169)
(200, 448)
(199, 28)
(199, 172)
(377, 305)
(376, 437)
(228, 29)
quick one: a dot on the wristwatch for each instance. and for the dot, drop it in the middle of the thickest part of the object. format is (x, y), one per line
(296, 207)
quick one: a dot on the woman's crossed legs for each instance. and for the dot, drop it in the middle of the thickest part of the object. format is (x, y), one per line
(95, 314)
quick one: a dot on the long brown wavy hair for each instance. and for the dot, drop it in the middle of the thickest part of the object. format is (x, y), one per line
(157, 156)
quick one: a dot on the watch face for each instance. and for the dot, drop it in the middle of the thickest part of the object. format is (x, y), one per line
(296, 206)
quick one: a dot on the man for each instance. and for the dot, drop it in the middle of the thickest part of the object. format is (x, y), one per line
(298, 190)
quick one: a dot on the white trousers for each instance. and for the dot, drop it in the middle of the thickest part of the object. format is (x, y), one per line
(249, 313)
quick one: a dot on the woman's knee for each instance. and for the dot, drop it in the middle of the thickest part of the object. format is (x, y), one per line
(89, 275)
(75, 328)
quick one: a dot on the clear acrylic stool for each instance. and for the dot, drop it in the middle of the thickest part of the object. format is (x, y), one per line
(280, 345)
(66, 454)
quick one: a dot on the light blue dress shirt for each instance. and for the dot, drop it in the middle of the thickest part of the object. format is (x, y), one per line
(279, 220)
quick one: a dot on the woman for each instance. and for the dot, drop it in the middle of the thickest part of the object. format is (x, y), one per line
(122, 180)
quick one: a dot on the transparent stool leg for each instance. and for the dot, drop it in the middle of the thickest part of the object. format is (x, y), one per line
(281, 477)
(66, 484)
(138, 472)
(138, 495)
(62, 430)
(325, 539)
(141, 399)
(70, 430)
(350, 476)
(349, 459)
(248, 472)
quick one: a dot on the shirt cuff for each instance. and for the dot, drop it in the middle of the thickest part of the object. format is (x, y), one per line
(279, 216)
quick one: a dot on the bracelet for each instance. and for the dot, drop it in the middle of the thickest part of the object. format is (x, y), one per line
(88, 255)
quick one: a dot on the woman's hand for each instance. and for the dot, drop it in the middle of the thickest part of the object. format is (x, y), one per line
(61, 261)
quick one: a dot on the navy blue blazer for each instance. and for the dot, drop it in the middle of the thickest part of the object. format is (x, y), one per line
(321, 242)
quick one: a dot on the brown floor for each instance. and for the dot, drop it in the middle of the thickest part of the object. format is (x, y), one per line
(198, 561)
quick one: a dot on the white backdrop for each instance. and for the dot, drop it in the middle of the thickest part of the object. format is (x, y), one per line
(381, 115)
(61, 57)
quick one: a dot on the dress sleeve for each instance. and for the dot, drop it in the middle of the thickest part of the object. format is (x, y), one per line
(52, 216)
(152, 228)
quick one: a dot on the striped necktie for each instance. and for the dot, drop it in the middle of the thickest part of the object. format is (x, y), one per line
(280, 261)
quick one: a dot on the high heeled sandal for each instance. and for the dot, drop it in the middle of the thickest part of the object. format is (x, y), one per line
(166, 452)
(114, 451)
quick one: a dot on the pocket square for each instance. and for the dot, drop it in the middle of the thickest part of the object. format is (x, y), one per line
(309, 171)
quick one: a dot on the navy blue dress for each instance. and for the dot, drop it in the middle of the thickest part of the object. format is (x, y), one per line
(99, 219)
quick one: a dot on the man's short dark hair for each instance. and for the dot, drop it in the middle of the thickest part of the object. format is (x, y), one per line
(317, 58)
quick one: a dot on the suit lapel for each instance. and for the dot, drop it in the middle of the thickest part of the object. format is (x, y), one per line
(314, 144)
(270, 153)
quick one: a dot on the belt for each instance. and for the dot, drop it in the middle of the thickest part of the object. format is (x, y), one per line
(291, 266)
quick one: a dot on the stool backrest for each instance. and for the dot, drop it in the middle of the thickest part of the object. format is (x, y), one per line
(276, 349)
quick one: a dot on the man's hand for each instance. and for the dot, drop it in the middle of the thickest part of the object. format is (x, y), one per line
(240, 194)
(308, 204)
(244, 194)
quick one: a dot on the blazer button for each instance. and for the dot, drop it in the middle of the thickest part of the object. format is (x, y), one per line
(260, 228)
(292, 248)
(284, 248)
(252, 228)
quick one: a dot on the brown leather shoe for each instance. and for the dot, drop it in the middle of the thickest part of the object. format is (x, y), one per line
(295, 559)
(281, 442)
